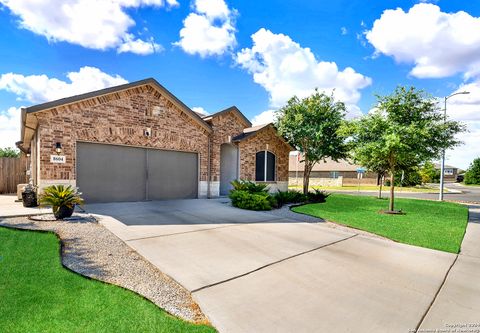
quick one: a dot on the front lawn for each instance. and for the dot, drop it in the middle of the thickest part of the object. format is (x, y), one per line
(431, 224)
(37, 294)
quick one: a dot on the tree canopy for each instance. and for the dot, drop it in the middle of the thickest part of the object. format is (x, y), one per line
(472, 176)
(312, 125)
(9, 152)
(405, 130)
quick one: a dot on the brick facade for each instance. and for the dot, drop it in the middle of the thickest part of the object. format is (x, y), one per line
(223, 125)
(121, 118)
(258, 142)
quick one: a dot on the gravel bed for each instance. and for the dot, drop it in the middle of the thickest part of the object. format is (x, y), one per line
(92, 250)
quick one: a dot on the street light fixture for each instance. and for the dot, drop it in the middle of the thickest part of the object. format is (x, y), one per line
(442, 165)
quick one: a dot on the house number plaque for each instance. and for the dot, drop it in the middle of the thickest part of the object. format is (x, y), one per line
(57, 159)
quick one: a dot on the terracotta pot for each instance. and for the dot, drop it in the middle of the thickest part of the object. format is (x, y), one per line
(63, 212)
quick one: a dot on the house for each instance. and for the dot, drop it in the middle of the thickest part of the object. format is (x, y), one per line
(449, 172)
(137, 142)
(330, 173)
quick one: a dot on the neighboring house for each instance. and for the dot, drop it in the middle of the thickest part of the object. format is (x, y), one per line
(138, 142)
(329, 173)
(449, 172)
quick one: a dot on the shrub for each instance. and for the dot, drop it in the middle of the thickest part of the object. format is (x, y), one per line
(472, 176)
(317, 196)
(284, 197)
(410, 178)
(9, 152)
(252, 201)
(249, 186)
(429, 174)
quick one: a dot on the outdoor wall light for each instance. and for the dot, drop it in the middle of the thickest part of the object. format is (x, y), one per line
(58, 148)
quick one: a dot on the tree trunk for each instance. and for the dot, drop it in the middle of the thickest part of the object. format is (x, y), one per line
(380, 189)
(306, 177)
(392, 190)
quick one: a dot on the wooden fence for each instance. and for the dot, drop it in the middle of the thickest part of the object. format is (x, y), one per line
(12, 173)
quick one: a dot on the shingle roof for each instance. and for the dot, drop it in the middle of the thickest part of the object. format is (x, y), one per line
(437, 166)
(328, 165)
(247, 132)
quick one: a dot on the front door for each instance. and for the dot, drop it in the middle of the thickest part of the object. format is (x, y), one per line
(228, 167)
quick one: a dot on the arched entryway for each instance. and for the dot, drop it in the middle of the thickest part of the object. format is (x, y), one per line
(228, 167)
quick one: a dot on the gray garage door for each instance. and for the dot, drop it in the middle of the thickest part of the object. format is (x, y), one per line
(107, 173)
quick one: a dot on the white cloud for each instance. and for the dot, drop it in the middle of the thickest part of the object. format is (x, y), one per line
(285, 69)
(212, 8)
(343, 31)
(199, 109)
(92, 24)
(9, 127)
(41, 88)
(465, 108)
(463, 155)
(438, 44)
(138, 46)
(265, 117)
(209, 30)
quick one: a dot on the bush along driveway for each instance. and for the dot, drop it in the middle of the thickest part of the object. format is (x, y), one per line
(39, 295)
(430, 224)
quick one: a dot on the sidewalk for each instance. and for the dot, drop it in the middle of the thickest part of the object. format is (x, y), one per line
(10, 208)
(458, 302)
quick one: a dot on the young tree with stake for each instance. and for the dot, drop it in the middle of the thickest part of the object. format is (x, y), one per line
(405, 130)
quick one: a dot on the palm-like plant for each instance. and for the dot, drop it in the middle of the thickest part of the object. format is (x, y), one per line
(59, 196)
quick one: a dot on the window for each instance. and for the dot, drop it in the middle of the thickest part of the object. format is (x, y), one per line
(264, 166)
(334, 174)
(448, 172)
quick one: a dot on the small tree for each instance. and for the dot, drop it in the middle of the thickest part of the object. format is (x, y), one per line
(428, 173)
(404, 131)
(472, 176)
(312, 125)
(9, 152)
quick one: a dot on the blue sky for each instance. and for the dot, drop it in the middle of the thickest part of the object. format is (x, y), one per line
(253, 54)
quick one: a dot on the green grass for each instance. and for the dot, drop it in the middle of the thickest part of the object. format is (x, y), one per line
(385, 189)
(37, 294)
(431, 224)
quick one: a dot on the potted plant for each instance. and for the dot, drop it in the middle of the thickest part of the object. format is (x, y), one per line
(29, 196)
(62, 199)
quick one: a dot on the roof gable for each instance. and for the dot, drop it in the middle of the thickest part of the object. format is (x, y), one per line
(112, 90)
(251, 132)
(232, 109)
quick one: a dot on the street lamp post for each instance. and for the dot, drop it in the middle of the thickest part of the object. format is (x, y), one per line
(442, 165)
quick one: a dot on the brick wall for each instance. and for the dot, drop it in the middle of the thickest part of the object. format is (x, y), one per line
(118, 118)
(224, 125)
(250, 146)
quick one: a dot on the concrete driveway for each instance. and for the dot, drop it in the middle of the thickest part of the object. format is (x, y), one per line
(264, 272)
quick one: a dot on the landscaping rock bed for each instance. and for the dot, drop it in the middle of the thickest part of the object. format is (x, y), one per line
(91, 250)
